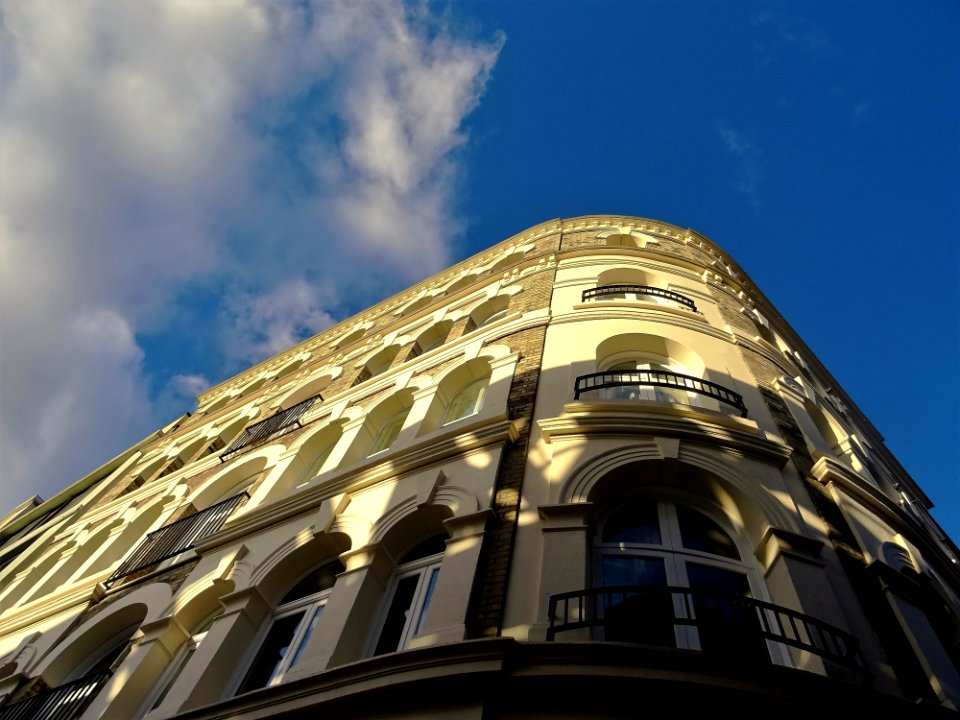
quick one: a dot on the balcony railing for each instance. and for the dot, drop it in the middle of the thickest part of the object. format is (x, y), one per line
(273, 426)
(713, 622)
(658, 378)
(624, 289)
(177, 537)
(65, 702)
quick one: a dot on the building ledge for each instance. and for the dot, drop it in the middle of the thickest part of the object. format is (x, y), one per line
(583, 418)
(502, 678)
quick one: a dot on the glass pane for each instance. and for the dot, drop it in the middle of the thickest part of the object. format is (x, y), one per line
(306, 637)
(266, 665)
(388, 433)
(396, 619)
(630, 570)
(698, 532)
(424, 549)
(466, 402)
(644, 613)
(434, 574)
(725, 626)
(319, 580)
(634, 523)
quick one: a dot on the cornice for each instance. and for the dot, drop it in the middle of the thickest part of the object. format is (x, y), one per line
(465, 441)
(606, 418)
(23, 616)
(828, 471)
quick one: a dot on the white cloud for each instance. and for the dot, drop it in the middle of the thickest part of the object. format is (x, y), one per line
(267, 150)
(748, 166)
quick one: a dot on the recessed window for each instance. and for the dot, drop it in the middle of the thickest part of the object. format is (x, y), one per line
(389, 432)
(291, 626)
(466, 402)
(650, 544)
(411, 591)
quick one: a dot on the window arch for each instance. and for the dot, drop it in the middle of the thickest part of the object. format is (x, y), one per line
(488, 312)
(285, 635)
(377, 364)
(460, 284)
(511, 258)
(460, 394)
(381, 427)
(350, 338)
(432, 337)
(649, 367)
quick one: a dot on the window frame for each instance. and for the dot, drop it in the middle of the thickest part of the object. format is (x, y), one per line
(428, 571)
(311, 607)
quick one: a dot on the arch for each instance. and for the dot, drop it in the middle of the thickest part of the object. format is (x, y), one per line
(285, 565)
(142, 605)
(623, 345)
(624, 276)
(487, 312)
(351, 337)
(413, 539)
(231, 480)
(378, 363)
(460, 392)
(461, 283)
(306, 390)
(382, 426)
(417, 304)
(511, 258)
(758, 507)
(433, 337)
(222, 400)
(291, 367)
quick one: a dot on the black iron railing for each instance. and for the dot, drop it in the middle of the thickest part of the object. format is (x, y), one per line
(177, 537)
(657, 378)
(623, 289)
(724, 624)
(273, 426)
(64, 702)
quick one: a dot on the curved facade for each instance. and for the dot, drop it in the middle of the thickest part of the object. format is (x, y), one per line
(587, 472)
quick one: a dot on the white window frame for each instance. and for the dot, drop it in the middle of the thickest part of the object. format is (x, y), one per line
(482, 383)
(675, 559)
(311, 607)
(428, 570)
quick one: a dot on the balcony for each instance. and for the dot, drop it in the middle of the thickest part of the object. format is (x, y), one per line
(617, 292)
(266, 430)
(65, 702)
(595, 382)
(175, 538)
(733, 626)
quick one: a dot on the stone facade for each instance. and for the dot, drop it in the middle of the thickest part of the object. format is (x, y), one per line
(590, 464)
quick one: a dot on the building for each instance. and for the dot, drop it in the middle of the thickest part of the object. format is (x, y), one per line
(589, 472)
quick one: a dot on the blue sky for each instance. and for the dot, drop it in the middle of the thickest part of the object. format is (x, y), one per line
(196, 186)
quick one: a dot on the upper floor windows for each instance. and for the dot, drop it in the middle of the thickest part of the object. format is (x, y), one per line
(377, 364)
(489, 312)
(430, 339)
(466, 402)
(409, 594)
(388, 432)
(290, 627)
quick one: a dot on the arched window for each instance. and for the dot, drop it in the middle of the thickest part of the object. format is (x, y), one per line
(388, 432)
(178, 663)
(466, 402)
(408, 597)
(290, 627)
(653, 548)
(432, 338)
(377, 364)
(489, 312)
